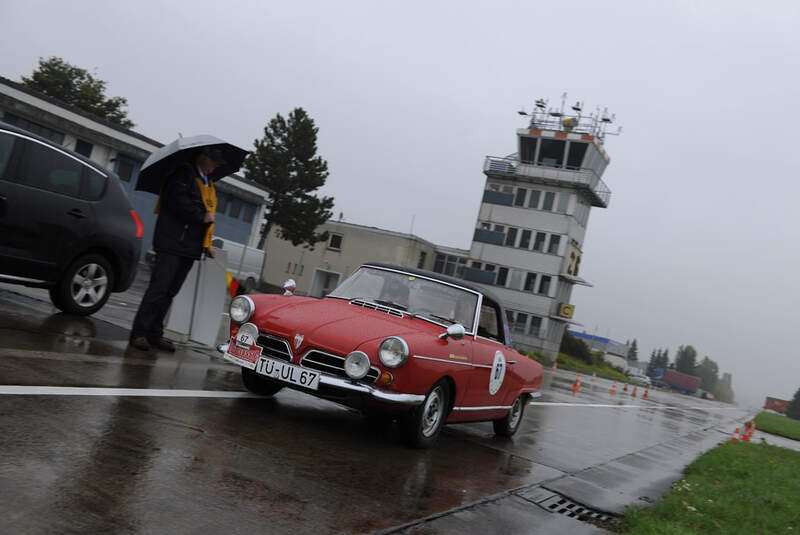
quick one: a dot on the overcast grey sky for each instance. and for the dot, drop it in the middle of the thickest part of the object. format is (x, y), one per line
(698, 245)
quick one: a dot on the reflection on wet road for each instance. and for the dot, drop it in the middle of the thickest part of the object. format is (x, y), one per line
(147, 463)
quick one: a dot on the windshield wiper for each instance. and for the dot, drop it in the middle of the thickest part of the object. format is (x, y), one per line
(389, 304)
(435, 316)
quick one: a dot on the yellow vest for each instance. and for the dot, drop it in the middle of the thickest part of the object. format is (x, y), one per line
(209, 194)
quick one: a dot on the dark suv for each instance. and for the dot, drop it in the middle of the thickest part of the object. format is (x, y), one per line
(65, 223)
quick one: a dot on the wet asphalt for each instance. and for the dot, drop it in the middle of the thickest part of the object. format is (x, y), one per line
(221, 460)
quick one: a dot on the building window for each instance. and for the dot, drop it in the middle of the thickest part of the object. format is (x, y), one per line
(486, 226)
(563, 202)
(530, 282)
(551, 152)
(519, 323)
(222, 203)
(502, 276)
(248, 212)
(535, 327)
(335, 242)
(511, 236)
(555, 240)
(127, 168)
(489, 267)
(544, 284)
(236, 208)
(527, 149)
(508, 189)
(549, 198)
(421, 262)
(36, 128)
(538, 244)
(533, 200)
(575, 154)
(519, 200)
(499, 228)
(83, 148)
(525, 241)
(494, 187)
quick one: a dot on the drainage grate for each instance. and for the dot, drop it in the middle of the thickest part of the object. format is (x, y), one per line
(556, 503)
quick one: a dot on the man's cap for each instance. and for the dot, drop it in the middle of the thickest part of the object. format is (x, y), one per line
(215, 154)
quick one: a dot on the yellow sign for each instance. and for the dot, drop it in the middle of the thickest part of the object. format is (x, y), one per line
(566, 310)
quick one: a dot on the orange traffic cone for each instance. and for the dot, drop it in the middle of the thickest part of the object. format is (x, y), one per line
(735, 437)
(594, 376)
(555, 365)
(576, 387)
(614, 388)
(635, 389)
(646, 390)
(626, 388)
(579, 377)
(748, 431)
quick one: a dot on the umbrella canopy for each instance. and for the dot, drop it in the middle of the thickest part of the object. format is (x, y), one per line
(184, 149)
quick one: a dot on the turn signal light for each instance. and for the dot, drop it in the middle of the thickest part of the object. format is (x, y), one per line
(234, 331)
(138, 222)
(386, 378)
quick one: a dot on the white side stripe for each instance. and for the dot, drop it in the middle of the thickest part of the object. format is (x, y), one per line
(15, 390)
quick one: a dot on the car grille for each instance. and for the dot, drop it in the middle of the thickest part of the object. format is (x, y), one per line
(374, 306)
(333, 364)
(274, 347)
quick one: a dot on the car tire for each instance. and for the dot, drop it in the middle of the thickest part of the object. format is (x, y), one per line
(260, 385)
(85, 285)
(422, 424)
(507, 426)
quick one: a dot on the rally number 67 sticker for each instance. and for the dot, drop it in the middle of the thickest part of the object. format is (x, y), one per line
(498, 373)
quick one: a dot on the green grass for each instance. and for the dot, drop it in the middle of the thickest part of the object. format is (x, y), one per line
(734, 488)
(565, 362)
(778, 424)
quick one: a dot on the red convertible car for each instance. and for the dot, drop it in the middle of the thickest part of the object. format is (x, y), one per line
(393, 342)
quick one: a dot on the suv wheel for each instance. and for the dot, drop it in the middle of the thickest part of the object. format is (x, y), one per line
(85, 286)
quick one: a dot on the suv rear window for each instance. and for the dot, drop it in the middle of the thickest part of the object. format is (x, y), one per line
(44, 168)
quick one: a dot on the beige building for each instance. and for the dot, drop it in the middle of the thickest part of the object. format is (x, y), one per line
(320, 270)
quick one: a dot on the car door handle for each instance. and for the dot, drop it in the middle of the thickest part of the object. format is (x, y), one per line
(75, 212)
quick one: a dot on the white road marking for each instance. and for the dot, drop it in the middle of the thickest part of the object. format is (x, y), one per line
(16, 390)
(557, 404)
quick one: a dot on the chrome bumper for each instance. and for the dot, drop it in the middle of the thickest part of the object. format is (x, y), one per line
(379, 395)
(344, 384)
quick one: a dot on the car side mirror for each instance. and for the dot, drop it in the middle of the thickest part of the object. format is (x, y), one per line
(456, 331)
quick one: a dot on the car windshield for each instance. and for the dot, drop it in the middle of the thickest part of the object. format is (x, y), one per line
(412, 294)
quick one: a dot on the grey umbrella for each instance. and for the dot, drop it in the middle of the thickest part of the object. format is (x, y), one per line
(164, 160)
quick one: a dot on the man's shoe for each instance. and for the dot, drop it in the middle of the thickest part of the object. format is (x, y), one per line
(140, 343)
(163, 344)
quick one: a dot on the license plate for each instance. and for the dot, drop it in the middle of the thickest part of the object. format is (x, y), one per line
(288, 373)
(243, 354)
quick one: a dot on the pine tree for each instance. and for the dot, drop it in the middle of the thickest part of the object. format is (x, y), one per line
(77, 87)
(793, 410)
(633, 352)
(686, 360)
(286, 164)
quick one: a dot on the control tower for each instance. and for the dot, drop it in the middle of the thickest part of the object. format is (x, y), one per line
(530, 230)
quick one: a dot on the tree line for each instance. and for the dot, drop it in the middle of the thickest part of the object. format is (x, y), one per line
(686, 362)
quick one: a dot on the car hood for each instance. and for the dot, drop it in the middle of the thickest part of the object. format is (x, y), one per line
(332, 324)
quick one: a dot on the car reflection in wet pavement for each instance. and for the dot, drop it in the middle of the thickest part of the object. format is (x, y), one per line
(237, 463)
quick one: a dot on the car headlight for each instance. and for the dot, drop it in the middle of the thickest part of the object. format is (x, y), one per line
(393, 352)
(356, 365)
(241, 309)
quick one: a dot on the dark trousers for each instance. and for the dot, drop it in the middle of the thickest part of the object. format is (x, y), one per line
(166, 279)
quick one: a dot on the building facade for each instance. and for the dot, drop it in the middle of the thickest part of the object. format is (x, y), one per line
(319, 270)
(123, 151)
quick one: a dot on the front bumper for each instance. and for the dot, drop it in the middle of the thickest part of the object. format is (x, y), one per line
(345, 386)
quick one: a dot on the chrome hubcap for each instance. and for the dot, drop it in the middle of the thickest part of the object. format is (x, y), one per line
(432, 412)
(89, 285)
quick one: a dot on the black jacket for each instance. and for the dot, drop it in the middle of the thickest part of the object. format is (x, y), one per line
(180, 229)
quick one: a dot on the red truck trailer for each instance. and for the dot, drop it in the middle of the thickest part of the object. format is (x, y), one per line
(675, 379)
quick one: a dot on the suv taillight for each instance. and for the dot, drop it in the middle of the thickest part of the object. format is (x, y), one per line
(139, 226)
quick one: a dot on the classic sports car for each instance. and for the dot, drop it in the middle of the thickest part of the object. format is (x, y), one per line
(392, 342)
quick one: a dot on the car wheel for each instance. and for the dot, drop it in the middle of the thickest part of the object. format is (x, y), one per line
(85, 286)
(506, 427)
(260, 385)
(422, 424)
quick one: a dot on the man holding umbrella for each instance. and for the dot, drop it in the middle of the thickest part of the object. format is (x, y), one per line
(186, 207)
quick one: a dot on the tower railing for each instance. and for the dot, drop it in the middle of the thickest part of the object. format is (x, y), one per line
(586, 179)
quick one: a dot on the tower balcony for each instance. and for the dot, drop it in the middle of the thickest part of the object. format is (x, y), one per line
(584, 180)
